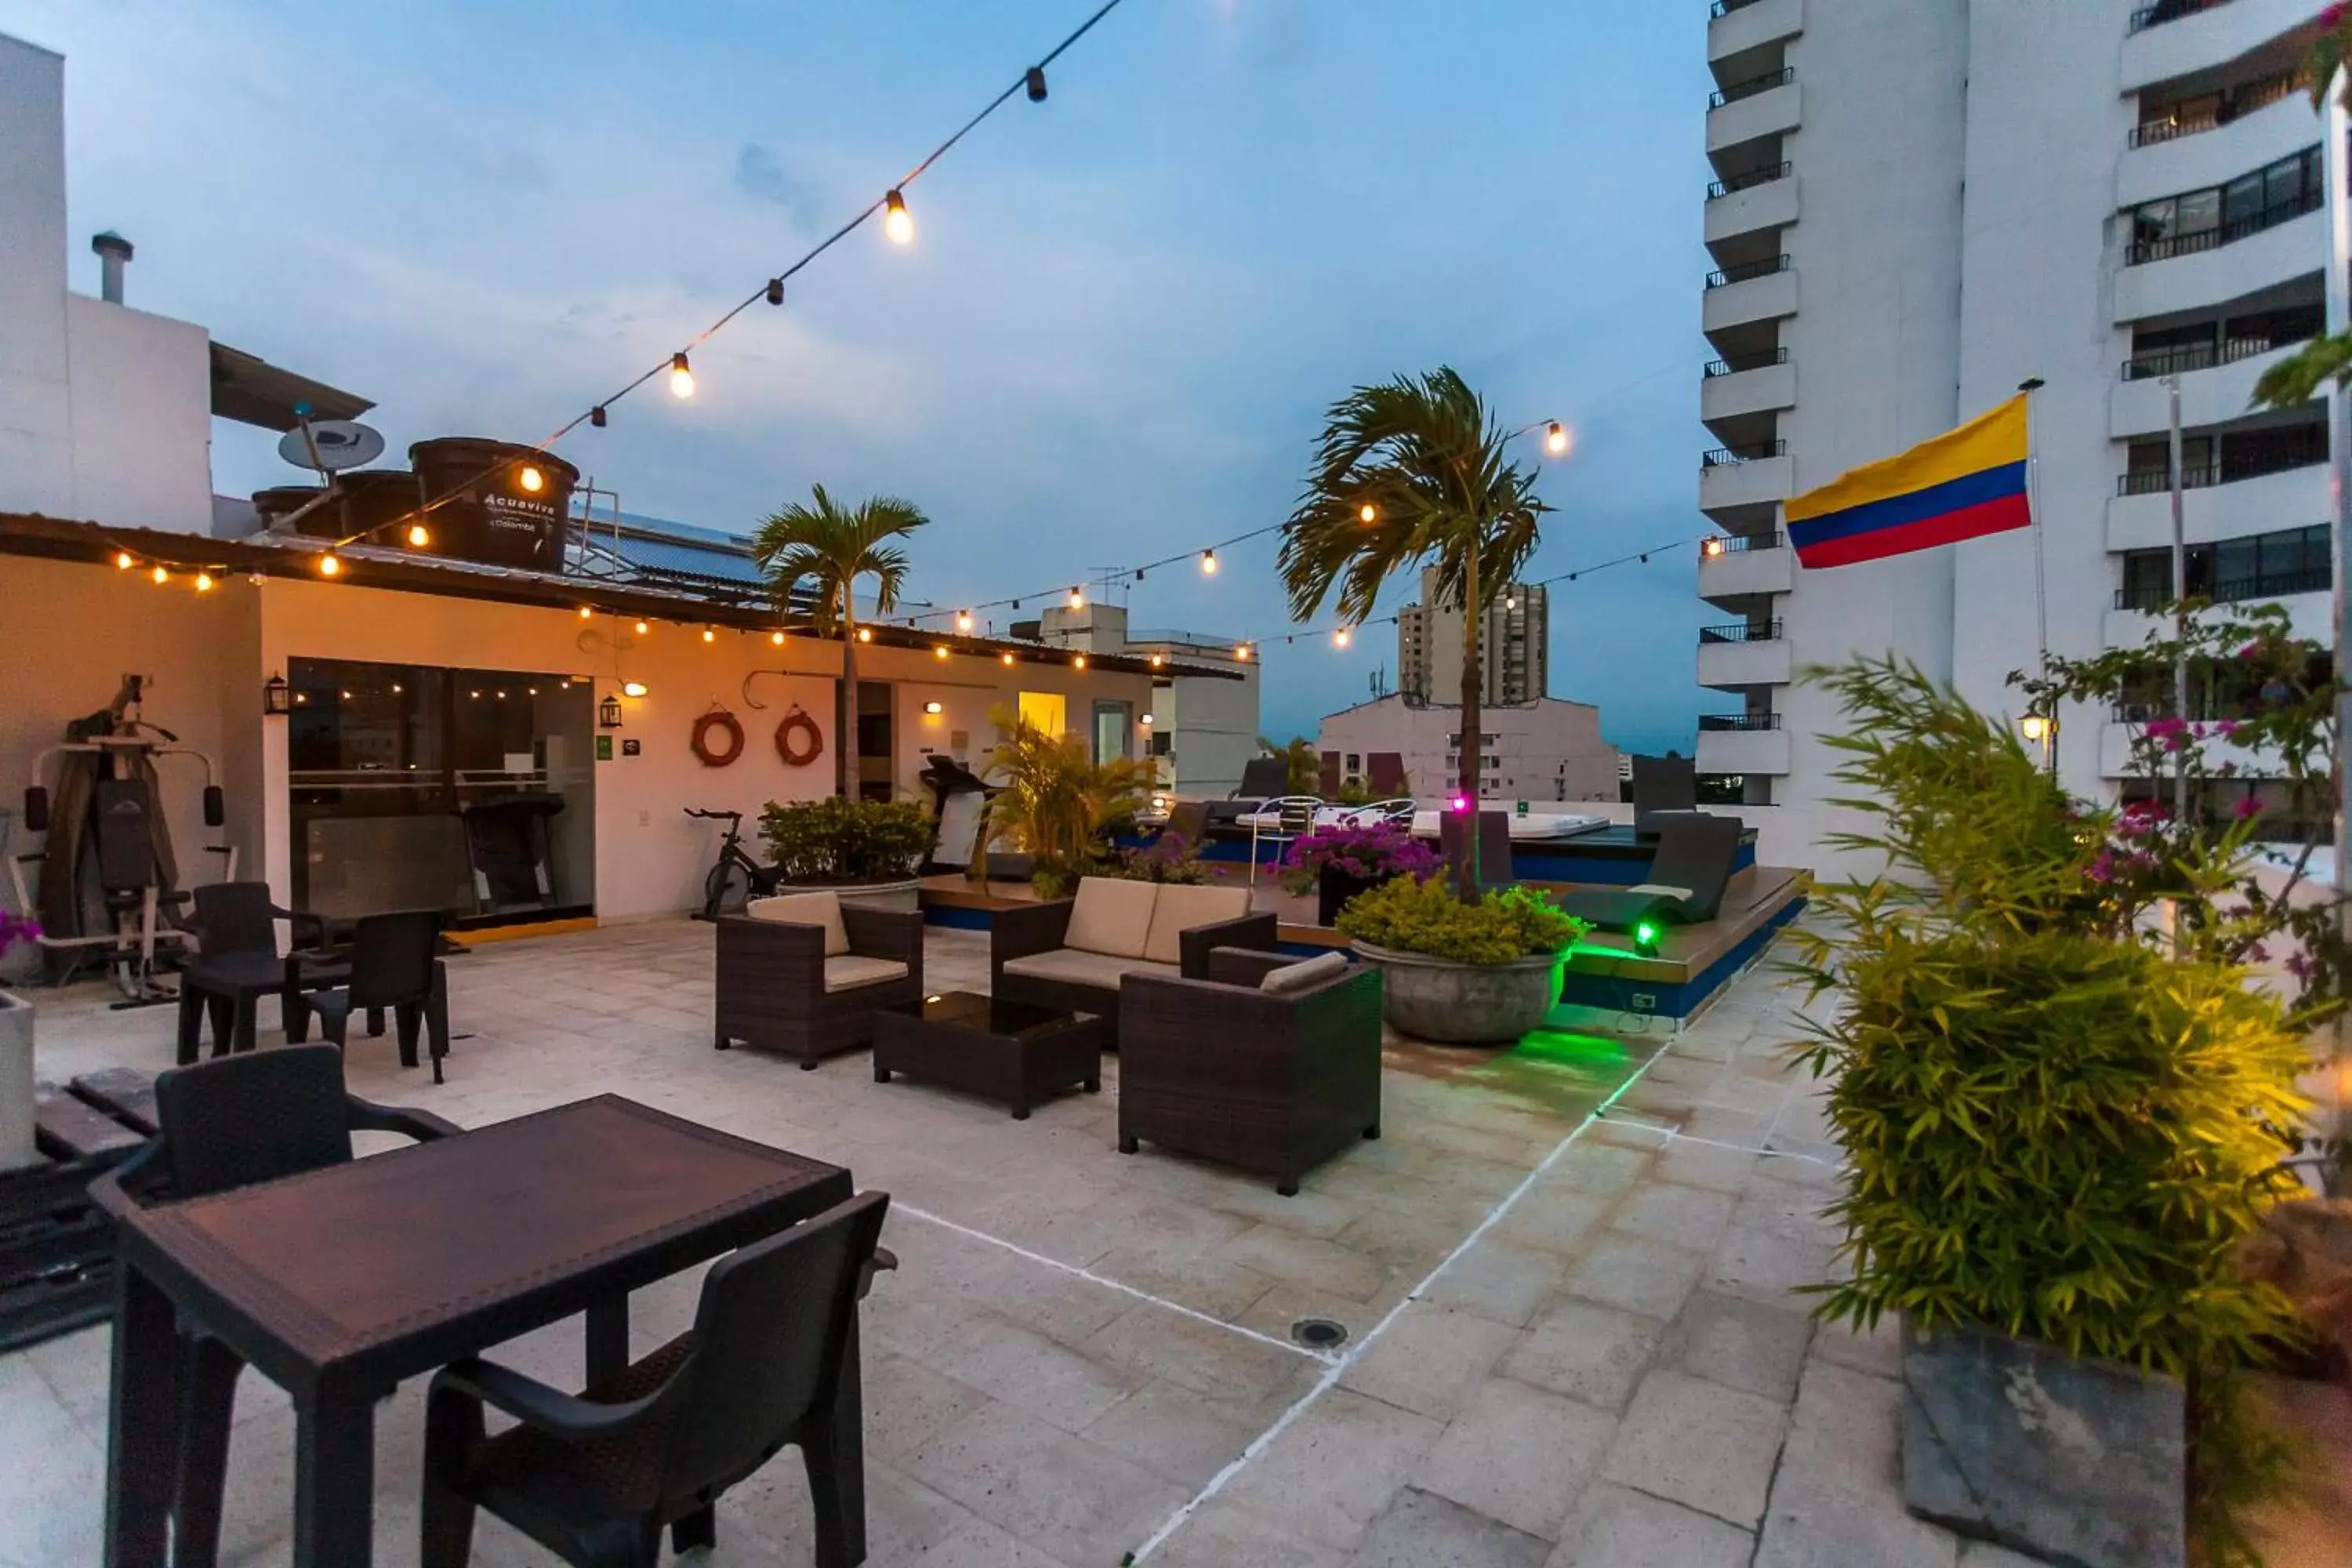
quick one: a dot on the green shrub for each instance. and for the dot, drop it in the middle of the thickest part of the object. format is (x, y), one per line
(1411, 916)
(840, 841)
(2054, 1129)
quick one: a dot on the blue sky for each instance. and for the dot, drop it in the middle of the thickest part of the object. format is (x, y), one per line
(1124, 313)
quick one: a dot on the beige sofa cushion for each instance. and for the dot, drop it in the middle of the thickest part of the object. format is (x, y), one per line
(806, 910)
(851, 971)
(1067, 966)
(1112, 916)
(1180, 909)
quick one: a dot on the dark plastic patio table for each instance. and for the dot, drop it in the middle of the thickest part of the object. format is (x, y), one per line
(338, 1283)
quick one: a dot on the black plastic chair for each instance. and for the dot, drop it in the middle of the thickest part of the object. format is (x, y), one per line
(396, 964)
(597, 1477)
(249, 1117)
(235, 925)
(1686, 880)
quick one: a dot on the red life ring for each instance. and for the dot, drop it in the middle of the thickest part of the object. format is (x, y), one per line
(812, 739)
(722, 720)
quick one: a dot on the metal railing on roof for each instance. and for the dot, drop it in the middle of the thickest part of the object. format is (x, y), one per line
(1738, 723)
(1728, 456)
(1734, 364)
(1741, 631)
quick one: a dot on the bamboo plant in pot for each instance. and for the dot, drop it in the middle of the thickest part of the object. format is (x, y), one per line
(2056, 1133)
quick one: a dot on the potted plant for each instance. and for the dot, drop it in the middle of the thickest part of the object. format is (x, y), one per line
(16, 1108)
(2057, 1133)
(1059, 805)
(1337, 863)
(1474, 974)
(1169, 857)
(864, 850)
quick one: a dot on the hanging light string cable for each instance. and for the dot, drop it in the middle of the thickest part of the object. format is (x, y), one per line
(1032, 79)
(1205, 553)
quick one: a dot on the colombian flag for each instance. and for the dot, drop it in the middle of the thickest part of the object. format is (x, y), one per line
(1963, 485)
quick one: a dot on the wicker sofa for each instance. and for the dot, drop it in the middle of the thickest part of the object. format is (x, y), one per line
(1273, 1083)
(1073, 953)
(805, 974)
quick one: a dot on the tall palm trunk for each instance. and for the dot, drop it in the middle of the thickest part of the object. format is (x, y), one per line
(852, 786)
(1465, 870)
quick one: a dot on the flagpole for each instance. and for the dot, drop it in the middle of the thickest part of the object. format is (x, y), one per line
(2029, 386)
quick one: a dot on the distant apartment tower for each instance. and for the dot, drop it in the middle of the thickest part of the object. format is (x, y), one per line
(1514, 647)
(1919, 206)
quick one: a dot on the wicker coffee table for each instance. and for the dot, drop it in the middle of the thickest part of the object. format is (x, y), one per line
(1009, 1052)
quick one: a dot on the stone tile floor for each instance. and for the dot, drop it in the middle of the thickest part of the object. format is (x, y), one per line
(1566, 1273)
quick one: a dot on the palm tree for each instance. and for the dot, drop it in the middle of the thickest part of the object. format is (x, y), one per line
(830, 547)
(1423, 454)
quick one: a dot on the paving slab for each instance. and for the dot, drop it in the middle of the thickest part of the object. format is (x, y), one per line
(1699, 1444)
(1519, 1455)
(1617, 1527)
(1421, 1530)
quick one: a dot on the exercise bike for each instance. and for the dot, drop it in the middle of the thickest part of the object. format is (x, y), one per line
(115, 843)
(737, 876)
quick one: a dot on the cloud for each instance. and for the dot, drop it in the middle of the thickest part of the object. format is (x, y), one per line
(758, 176)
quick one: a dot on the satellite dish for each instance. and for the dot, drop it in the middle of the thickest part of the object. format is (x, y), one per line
(340, 443)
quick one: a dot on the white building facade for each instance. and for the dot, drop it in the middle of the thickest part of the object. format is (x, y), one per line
(1920, 208)
(1543, 750)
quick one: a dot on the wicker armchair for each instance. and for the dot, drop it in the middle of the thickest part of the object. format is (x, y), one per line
(1091, 983)
(778, 991)
(1272, 1083)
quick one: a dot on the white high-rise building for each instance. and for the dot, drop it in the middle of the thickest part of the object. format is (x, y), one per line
(1514, 647)
(1921, 206)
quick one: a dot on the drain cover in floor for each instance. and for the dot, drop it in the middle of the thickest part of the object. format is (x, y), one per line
(1318, 1333)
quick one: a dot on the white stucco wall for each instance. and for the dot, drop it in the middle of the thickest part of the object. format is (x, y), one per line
(1550, 750)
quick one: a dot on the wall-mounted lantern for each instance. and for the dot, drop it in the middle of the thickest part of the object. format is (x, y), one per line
(608, 713)
(276, 697)
(934, 708)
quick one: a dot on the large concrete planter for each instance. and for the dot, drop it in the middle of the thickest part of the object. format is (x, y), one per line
(2077, 1462)
(16, 1084)
(1465, 1004)
(899, 898)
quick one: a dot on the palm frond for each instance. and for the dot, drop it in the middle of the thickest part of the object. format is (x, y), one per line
(829, 546)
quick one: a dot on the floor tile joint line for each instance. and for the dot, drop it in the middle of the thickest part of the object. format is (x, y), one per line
(1339, 1368)
(1107, 1283)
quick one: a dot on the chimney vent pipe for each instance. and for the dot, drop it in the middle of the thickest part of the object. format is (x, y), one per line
(113, 251)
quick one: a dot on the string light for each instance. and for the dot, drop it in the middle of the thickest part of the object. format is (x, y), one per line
(1242, 652)
(1556, 438)
(530, 478)
(1340, 638)
(1713, 547)
(160, 575)
(643, 629)
(1077, 598)
(897, 221)
(122, 562)
(330, 564)
(1080, 662)
(1368, 512)
(204, 581)
(865, 633)
(585, 612)
(963, 620)
(1208, 562)
(681, 375)
(776, 637)
(1157, 661)
(1008, 660)
(420, 536)
(710, 635)
(775, 291)
(940, 652)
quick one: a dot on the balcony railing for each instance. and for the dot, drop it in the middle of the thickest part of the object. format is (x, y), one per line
(1740, 543)
(1741, 631)
(2190, 357)
(2165, 11)
(1749, 180)
(2203, 475)
(1734, 364)
(2203, 239)
(1730, 457)
(1737, 723)
(1726, 7)
(1752, 87)
(1747, 271)
(2258, 94)
(2234, 590)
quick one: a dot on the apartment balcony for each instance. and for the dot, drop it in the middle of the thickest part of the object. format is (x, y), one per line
(2197, 271)
(1733, 567)
(1750, 111)
(1739, 480)
(2214, 510)
(2179, 38)
(1742, 743)
(1751, 203)
(1740, 25)
(1749, 386)
(1743, 654)
(1741, 296)
(2217, 384)
(2308, 598)
(2169, 158)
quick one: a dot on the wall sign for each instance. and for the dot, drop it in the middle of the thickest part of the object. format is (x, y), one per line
(632, 748)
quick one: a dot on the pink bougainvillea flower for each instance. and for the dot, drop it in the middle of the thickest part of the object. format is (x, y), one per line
(2246, 807)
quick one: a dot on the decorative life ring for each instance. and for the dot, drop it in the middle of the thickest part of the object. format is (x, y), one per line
(798, 740)
(723, 722)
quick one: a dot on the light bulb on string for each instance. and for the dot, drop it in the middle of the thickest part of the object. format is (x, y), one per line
(1341, 637)
(160, 575)
(419, 536)
(1368, 512)
(897, 221)
(330, 564)
(865, 633)
(643, 629)
(585, 612)
(940, 652)
(1077, 598)
(1208, 562)
(681, 375)
(1556, 438)
(1242, 652)
(776, 637)
(1008, 660)
(122, 561)
(204, 581)
(710, 635)
(1080, 662)
(530, 478)
(963, 620)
